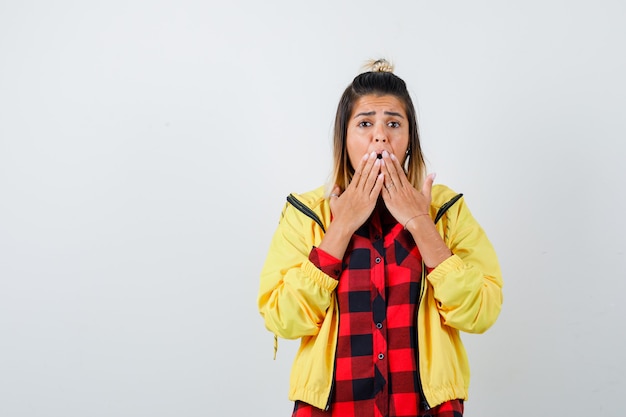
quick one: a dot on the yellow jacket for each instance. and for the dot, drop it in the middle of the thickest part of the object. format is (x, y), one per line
(297, 300)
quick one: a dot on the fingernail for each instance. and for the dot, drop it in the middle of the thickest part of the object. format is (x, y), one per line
(377, 162)
(433, 175)
(373, 154)
(385, 153)
(366, 156)
(393, 157)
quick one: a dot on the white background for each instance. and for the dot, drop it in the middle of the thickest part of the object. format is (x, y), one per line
(146, 149)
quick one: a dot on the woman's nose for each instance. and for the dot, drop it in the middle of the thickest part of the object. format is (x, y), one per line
(380, 135)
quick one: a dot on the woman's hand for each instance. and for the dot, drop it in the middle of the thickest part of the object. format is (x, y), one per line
(411, 208)
(402, 200)
(354, 206)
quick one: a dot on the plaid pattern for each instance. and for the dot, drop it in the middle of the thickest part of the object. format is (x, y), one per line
(376, 365)
(447, 409)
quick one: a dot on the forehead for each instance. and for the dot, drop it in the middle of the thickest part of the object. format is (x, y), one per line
(378, 103)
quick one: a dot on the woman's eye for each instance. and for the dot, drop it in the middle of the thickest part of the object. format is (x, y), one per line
(393, 124)
(364, 124)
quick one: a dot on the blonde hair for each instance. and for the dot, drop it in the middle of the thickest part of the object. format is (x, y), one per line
(378, 79)
(377, 65)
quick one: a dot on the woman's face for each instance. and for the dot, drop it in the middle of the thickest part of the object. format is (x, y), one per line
(377, 123)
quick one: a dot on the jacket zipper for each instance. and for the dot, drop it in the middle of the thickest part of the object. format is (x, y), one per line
(446, 206)
(440, 213)
(305, 210)
(425, 404)
(332, 382)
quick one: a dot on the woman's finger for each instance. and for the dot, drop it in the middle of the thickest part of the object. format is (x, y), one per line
(372, 177)
(358, 171)
(428, 185)
(397, 172)
(378, 186)
(364, 170)
(394, 175)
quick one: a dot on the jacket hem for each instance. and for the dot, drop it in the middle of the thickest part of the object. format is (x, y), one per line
(315, 398)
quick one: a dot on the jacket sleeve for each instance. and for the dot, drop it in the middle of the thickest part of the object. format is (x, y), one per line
(294, 294)
(468, 285)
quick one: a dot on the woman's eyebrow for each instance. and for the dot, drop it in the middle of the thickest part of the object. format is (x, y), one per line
(393, 113)
(372, 113)
(369, 113)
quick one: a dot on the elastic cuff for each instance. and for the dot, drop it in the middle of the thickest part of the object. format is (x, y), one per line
(323, 280)
(453, 263)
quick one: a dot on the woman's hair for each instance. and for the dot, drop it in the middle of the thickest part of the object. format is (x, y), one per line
(378, 80)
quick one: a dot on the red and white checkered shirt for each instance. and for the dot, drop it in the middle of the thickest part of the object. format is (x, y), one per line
(376, 371)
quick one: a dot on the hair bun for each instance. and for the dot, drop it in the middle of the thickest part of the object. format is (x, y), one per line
(378, 65)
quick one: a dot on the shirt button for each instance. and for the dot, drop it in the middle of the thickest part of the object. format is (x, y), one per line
(379, 325)
(377, 260)
(381, 356)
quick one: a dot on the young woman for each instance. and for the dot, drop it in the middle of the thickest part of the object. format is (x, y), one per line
(378, 277)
